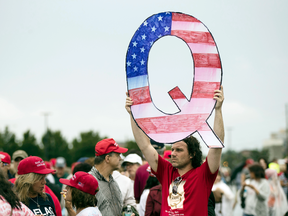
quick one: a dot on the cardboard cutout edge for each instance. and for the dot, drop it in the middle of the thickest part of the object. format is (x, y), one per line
(208, 136)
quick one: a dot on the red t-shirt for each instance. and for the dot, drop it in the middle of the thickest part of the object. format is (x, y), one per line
(192, 193)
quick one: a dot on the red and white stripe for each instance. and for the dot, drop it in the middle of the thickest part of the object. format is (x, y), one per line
(193, 115)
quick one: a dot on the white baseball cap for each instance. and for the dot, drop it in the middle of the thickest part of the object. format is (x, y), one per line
(132, 158)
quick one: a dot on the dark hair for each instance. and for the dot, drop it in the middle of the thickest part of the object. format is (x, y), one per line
(257, 169)
(7, 192)
(265, 160)
(101, 158)
(151, 182)
(85, 167)
(194, 150)
(81, 199)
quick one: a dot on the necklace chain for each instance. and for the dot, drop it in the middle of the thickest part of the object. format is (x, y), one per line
(36, 202)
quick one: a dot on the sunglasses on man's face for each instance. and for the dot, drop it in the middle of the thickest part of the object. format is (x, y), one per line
(175, 186)
(18, 159)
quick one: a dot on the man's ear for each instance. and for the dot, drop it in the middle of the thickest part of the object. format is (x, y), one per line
(192, 156)
(107, 158)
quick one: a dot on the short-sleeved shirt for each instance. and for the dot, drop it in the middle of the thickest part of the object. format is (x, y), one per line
(47, 207)
(192, 192)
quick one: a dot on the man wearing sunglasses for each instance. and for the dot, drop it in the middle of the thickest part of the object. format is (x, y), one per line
(186, 182)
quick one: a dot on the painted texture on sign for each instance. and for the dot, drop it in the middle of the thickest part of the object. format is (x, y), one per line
(194, 111)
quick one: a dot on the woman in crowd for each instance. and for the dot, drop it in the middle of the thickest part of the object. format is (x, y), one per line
(80, 191)
(30, 185)
(9, 202)
(257, 191)
(263, 162)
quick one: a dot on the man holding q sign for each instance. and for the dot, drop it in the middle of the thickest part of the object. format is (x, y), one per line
(186, 182)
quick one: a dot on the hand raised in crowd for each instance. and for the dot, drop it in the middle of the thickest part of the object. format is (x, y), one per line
(219, 97)
(68, 204)
(128, 103)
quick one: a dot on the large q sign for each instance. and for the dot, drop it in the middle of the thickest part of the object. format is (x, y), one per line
(194, 112)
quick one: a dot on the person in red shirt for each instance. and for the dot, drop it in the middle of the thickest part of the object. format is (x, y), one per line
(186, 183)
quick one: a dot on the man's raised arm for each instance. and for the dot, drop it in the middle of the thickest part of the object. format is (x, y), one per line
(142, 140)
(214, 154)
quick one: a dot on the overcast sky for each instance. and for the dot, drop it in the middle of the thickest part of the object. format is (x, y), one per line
(68, 58)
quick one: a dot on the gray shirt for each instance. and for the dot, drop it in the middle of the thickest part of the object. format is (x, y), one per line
(109, 199)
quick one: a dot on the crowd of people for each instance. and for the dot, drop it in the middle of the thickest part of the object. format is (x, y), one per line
(154, 181)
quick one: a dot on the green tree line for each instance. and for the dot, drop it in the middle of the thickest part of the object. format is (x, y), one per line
(233, 158)
(53, 144)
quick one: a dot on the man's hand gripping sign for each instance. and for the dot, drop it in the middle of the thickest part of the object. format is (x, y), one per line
(194, 112)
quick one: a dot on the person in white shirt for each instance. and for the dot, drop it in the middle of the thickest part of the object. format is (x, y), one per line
(257, 191)
(80, 191)
(126, 188)
(225, 205)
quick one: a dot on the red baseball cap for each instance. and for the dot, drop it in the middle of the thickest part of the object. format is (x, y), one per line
(53, 161)
(5, 157)
(82, 181)
(33, 164)
(48, 164)
(106, 146)
(249, 161)
(167, 154)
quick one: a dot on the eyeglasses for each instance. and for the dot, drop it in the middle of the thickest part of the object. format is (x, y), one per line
(4, 164)
(18, 159)
(176, 183)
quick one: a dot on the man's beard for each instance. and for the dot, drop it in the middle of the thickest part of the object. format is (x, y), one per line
(180, 166)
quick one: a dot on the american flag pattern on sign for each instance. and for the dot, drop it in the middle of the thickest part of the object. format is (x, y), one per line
(194, 111)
